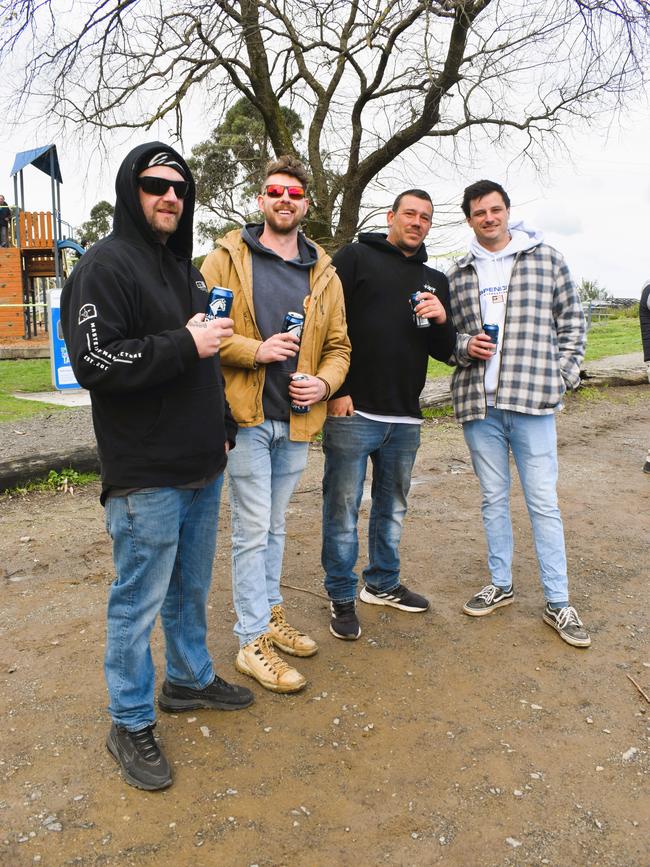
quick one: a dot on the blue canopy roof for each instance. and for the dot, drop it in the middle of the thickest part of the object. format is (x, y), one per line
(40, 158)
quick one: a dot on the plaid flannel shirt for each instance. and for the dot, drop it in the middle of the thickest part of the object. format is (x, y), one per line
(543, 340)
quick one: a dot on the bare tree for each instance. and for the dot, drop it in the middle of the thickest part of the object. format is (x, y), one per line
(371, 80)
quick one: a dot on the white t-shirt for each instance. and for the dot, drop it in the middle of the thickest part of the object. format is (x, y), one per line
(494, 271)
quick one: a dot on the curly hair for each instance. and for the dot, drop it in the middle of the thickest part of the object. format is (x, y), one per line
(287, 165)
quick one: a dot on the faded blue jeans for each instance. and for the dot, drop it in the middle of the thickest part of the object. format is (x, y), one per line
(533, 443)
(348, 442)
(164, 541)
(263, 472)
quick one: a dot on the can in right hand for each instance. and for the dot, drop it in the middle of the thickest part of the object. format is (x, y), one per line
(418, 321)
(219, 303)
(492, 332)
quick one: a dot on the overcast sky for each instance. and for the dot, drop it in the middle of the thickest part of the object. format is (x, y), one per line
(595, 207)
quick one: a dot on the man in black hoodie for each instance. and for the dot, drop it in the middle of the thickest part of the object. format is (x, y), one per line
(133, 320)
(376, 413)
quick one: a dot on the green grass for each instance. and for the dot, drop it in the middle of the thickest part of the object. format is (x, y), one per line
(437, 369)
(438, 411)
(63, 482)
(27, 376)
(616, 336)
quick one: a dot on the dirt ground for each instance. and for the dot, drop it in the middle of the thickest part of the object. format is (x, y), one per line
(436, 738)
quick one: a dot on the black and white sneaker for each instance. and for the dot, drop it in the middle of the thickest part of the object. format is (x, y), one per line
(142, 761)
(487, 600)
(401, 597)
(567, 624)
(344, 623)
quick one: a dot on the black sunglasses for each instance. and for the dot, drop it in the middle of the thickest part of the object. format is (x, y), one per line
(158, 186)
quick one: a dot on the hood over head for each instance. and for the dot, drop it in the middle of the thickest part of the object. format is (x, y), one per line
(129, 220)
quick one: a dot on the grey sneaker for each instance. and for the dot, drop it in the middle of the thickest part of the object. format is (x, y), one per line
(567, 624)
(487, 599)
(142, 761)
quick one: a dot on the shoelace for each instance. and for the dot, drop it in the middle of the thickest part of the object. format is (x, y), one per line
(277, 616)
(567, 617)
(145, 744)
(269, 657)
(488, 593)
(221, 684)
(343, 610)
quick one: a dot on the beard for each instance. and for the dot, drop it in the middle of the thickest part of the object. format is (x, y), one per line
(280, 224)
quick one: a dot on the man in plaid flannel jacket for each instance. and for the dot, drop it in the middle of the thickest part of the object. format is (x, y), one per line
(506, 390)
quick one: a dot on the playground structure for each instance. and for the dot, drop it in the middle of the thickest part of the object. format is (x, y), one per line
(38, 257)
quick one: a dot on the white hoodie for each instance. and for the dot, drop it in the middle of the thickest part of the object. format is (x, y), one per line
(494, 270)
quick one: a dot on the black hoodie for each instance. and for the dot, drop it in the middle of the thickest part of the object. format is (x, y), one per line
(159, 411)
(388, 366)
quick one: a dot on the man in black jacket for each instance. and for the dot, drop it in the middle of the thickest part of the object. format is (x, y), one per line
(133, 320)
(376, 413)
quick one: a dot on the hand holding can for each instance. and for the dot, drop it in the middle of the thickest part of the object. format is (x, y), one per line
(492, 332)
(295, 407)
(219, 304)
(418, 321)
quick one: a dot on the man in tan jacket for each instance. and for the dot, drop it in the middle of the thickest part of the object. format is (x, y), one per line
(272, 269)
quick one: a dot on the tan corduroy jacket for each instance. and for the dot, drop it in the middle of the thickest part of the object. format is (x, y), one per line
(324, 347)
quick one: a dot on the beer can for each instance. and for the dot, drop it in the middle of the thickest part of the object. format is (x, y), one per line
(293, 323)
(492, 332)
(294, 406)
(219, 303)
(418, 321)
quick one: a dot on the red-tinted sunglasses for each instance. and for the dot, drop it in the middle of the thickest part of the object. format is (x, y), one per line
(276, 191)
(158, 186)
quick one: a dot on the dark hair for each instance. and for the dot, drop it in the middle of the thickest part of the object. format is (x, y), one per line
(287, 165)
(480, 189)
(419, 194)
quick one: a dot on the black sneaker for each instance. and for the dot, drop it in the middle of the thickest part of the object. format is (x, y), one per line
(567, 624)
(217, 695)
(646, 467)
(142, 761)
(487, 600)
(344, 623)
(401, 597)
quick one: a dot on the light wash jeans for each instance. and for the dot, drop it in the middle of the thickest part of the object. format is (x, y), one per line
(163, 546)
(263, 471)
(533, 443)
(348, 442)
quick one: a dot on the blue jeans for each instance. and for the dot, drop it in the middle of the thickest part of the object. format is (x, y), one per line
(164, 541)
(263, 471)
(533, 443)
(348, 442)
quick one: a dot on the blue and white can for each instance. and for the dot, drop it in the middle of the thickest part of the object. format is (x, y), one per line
(492, 332)
(219, 303)
(300, 410)
(293, 323)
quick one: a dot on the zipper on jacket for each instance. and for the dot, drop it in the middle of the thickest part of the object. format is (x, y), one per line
(478, 283)
(505, 321)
